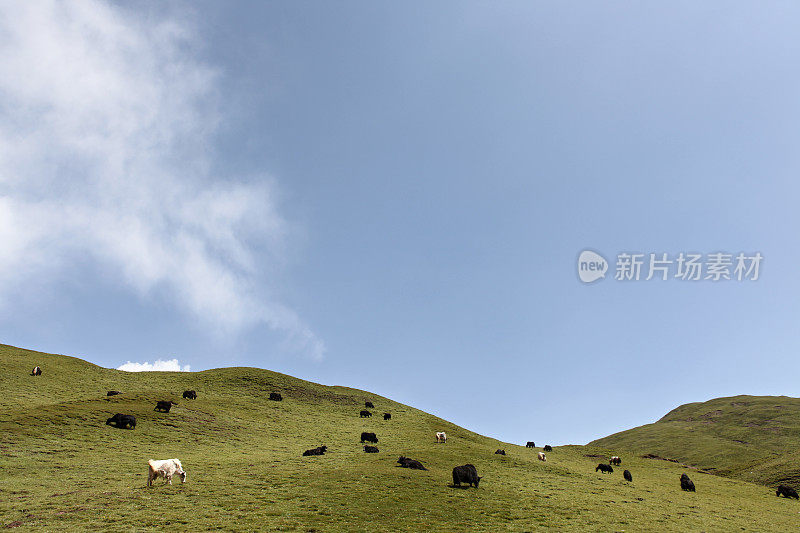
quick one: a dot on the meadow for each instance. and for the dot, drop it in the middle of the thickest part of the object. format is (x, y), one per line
(63, 469)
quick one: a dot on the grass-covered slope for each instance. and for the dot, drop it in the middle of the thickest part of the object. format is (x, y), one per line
(755, 438)
(62, 468)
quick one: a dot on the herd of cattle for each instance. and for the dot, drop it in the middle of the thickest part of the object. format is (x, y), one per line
(167, 468)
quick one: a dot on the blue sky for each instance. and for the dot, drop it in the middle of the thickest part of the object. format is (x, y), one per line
(394, 197)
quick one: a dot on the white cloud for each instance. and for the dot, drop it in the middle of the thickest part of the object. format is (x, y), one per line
(106, 125)
(159, 365)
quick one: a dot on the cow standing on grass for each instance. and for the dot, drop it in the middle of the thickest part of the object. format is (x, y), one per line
(441, 436)
(369, 437)
(36, 371)
(121, 421)
(164, 407)
(686, 483)
(466, 474)
(786, 492)
(165, 468)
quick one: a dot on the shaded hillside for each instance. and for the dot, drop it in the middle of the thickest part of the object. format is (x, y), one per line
(755, 438)
(63, 469)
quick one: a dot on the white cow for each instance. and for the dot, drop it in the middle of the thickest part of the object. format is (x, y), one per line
(542, 457)
(441, 436)
(165, 468)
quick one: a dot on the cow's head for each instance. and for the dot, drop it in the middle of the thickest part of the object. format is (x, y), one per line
(183, 476)
(478, 481)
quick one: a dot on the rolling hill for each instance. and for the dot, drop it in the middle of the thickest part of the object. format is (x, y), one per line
(754, 438)
(63, 469)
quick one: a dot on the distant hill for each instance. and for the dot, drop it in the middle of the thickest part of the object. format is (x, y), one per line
(754, 438)
(63, 469)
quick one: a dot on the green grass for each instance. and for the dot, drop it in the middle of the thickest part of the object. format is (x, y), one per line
(62, 468)
(753, 438)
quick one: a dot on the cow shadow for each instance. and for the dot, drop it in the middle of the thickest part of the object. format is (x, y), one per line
(462, 487)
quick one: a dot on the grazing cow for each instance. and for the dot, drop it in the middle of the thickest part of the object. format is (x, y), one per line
(530, 444)
(548, 448)
(121, 421)
(786, 492)
(371, 449)
(441, 436)
(616, 461)
(466, 474)
(686, 483)
(542, 456)
(369, 437)
(36, 371)
(113, 393)
(369, 405)
(500, 452)
(365, 414)
(387, 416)
(165, 468)
(604, 468)
(315, 451)
(189, 395)
(413, 464)
(164, 407)
(275, 396)
(627, 475)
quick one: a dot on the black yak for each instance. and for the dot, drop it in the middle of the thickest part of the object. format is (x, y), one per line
(371, 449)
(530, 444)
(365, 414)
(548, 448)
(369, 437)
(500, 452)
(275, 396)
(686, 483)
(413, 464)
(189, 395)
(369, 405)
(466, 474)
(315, 451)
(164, 406)
(602, 467)
(786, 492)
(627, 475)
(387, 416)
(121, 421)
(113, 393)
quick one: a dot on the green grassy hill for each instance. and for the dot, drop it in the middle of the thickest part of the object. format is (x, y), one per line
(754, 438)
(62, 468)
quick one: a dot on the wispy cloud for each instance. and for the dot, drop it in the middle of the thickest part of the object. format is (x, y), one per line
(106, 126)
(159, 365)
